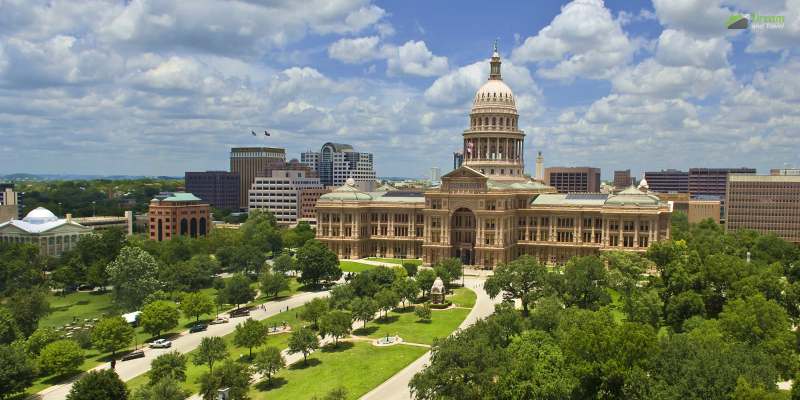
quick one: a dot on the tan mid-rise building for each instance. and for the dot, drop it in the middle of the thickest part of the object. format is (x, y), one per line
(765, 203)
(250, 162)
(487, 211)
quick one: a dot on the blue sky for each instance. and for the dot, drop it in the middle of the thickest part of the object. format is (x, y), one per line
(161, 87)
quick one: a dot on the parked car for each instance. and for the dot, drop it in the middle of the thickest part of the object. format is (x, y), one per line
(220, 320)
(242, 312)
(161, 344)
(133, 355)
(198, 328)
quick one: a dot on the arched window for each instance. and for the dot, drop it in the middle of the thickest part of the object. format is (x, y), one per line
(486, 121)
(202, 226)
(184, 226)
(160, 231)
(494, 121)
(193, 227)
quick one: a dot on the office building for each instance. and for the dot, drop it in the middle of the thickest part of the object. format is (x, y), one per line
(250, 162)
(103, 222)
(436, 174)
(765, 203)
(10, 203)
(712, 181)
(279, 193)
(175, 214)
(668, 181)
(52, 235)
(487, 212)
(308, 203)
(622, 179)
(785, 171)
(337, 162)
(458, 159)
(573, 179)
(220, 189)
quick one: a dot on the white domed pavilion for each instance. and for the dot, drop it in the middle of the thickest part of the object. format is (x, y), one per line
(41, 227)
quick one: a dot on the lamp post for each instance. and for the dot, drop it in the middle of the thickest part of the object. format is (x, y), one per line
(94, 210)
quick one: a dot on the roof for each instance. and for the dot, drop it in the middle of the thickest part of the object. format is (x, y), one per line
(176, 196)
(576, 199)
(338, 147)
(493, 184)
(346, 192)
(40, 220)
(633, 196)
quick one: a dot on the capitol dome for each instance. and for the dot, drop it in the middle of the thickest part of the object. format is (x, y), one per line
(494, 92)
(40, 215)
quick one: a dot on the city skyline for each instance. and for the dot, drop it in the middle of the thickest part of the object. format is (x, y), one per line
(615, 85)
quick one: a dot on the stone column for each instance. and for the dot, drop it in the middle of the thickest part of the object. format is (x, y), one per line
(636, 232)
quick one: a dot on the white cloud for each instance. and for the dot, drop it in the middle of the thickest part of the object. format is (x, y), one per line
(355, 51)
(583, 40)
(677, 48)
(782, 39)
(698, 17)
(652, 79)
(414, 58)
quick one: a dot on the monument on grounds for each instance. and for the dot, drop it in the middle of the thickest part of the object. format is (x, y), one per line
(437, 291)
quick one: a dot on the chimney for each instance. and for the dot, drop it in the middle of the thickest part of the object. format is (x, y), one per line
(69, 218)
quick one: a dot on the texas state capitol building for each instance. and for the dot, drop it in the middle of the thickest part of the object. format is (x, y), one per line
(487, 212)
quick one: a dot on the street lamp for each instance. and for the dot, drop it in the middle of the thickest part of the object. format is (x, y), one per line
(94, 211)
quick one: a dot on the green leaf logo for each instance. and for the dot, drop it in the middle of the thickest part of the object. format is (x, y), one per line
(737, 21)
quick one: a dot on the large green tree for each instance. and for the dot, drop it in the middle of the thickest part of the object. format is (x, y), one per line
(211, 350)
(17, 371)
(406, 289)
(134, 275)
(195, 304)
(537, 369)
(585, 282)
(60, 357)
(232, 375)
(159, 316)
(99, 385)
(237, 291)
(313, 311)
(28, 306)
(164, 389)
(303, 341)
(336, 324)
(317, 263)
(363, 309)
(9, 331)
(449, 270)
(250, 333)
(168, 366)
(425, 278)
(112, 334)
(268, 362)
(523, 279)
(273, 283)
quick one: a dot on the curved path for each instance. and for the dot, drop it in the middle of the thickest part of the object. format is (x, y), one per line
(396, 387)
(184, 343)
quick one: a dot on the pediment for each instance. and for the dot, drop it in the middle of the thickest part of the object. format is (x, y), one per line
(463, 172)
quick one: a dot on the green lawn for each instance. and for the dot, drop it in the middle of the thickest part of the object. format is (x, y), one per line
(399, 261)
(294, 287)
(406, 325)
(463, 297)
(352, 266)
(193, 372)
(359, 367)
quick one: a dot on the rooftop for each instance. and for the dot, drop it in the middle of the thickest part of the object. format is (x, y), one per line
(763, 178)
(176, 197)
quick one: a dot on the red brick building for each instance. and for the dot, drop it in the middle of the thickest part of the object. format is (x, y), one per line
(178, 214)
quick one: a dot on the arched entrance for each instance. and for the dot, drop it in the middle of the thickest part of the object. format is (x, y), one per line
(462, 235)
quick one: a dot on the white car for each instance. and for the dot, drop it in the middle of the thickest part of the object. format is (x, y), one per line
(161, 344)
(219, 320)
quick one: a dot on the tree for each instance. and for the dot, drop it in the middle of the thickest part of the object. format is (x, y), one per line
(298, 236)
(41, 337)
(304, 341)
(247, 259)
(196, 304)
(60, 357)
(134, 275)
(341, 296)
(337, 324)
(28, 306)
(9, 331)
(163, 389)
(159, 316)
(17, 371)
(250, 333)
(449, 270)
(268, 362)
(425, 279)
(112, 334)
(283, 264)
(317, 263)
(237, 291)
(406, 290)
(99, 385)
(21, 267)
(523, 279)
(211, 350)
(682, 307)
(230, 374)
(644, 306)
(411, 268)
(387, 300)
(364, 309)
(538, 370)
(273, 283)
(585, 283)
(168, 366)
(423, 312)
(338, 393)
(261, 231)
(313, 311)
(192, 274)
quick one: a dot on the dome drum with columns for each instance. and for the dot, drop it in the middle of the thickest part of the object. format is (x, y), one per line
(488, 212)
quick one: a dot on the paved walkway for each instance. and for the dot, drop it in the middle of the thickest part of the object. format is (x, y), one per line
(396, 387)
(185, 343)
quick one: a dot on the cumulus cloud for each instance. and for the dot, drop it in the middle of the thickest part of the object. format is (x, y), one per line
(583, 40)
(699, 17)
(677, 48)
(414, 58)
(355, 51)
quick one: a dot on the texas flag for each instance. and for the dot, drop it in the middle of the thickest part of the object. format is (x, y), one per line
(469, 147)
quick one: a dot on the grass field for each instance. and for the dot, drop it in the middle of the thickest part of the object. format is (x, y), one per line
(193, 371)
(358, 367)
(398, 261)
(352, 266)
(405, 324)
(463, 297)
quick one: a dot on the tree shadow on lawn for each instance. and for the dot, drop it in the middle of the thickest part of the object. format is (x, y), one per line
(312, 362)
(338, 348)
(276, 383)
(423, 321)
(387, 320)
(404, 310)
(365, 331)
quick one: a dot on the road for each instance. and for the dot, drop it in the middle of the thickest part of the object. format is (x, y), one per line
(396, 387)
(184, 343)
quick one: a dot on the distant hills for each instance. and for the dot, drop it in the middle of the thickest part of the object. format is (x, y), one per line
(70, 177)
